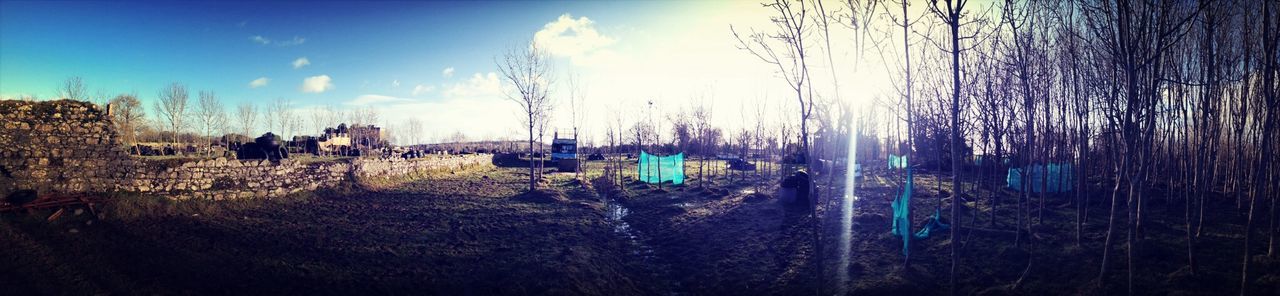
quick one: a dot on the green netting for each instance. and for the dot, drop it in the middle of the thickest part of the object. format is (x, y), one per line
(1059, 177)
(654, 169)
(897, 162)
(902, 214)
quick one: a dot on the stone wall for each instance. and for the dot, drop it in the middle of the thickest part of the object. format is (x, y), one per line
(368, 168)
(59, 147)
(230, 179)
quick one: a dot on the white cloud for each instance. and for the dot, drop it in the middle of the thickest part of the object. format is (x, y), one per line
(447, 72)
(395, 83)
(259, 39)
(301, 62)
(295, 41)
(316, 84)
(376, 99)
(422, 89)
(571, 37)
(479, 85)
(260, 82)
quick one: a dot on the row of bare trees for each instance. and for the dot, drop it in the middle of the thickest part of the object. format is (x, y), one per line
(1133, 90)
(176, 119)
(1178, 96)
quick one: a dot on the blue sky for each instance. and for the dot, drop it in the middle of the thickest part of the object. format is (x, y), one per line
(428, 60)
(363, 46)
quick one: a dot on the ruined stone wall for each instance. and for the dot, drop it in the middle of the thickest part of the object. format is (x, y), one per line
(221, 179)
(367, 168)
(60, 147)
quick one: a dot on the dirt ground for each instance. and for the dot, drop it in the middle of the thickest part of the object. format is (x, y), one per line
(452, 234)
(990, 263)
(476, 233)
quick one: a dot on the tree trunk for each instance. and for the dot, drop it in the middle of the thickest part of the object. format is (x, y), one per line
(532, 182)
(955, 134)
(906, 45)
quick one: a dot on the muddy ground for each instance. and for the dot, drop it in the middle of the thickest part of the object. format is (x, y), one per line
(465, 233)
(475, 232)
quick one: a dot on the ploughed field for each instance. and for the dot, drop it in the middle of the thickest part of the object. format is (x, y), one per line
(476, 232)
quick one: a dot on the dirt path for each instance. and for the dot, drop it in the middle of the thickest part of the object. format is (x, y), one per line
(723, 240)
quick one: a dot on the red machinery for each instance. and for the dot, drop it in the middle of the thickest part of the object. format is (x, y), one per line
(50, 201)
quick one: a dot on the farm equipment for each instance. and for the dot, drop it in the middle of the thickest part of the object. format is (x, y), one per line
(28, 200)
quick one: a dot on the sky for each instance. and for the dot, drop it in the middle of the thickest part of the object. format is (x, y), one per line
(433, 61)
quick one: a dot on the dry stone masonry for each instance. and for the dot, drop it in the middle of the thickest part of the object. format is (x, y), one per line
(59, 146)
(63, 147)
(221, 179)
(368, 168)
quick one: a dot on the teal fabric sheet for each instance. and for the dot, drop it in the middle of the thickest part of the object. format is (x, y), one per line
(1059, 176)
(655, 169)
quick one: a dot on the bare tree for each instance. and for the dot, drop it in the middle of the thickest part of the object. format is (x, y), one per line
(1270, 43)
(786, 49)
(271, 116)
(458, 139)
(332, 116)
(544, 119)
(172, 108)
(100, 97)
(414, 131)
(210, 115)
(280, 116)
(577, 116)
(318, 117)
(246, 116)
(128, 116)
(292, 123)
(528, 73)
(72, 88)
(701, 129)
(951, 15)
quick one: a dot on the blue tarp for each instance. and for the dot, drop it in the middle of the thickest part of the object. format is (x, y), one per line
(902, 215)
(1060, 178)
(654, 169)
(897, 162)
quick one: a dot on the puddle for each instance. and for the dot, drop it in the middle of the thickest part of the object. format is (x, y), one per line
(616, 215)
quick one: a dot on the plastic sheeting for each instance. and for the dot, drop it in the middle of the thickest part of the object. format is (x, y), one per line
(897, 162)
(902, 215)
(655, 169)
(1060, 178)
(934, 224)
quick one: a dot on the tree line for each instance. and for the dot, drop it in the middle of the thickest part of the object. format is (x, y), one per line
(1139, 97)
(176, 118)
